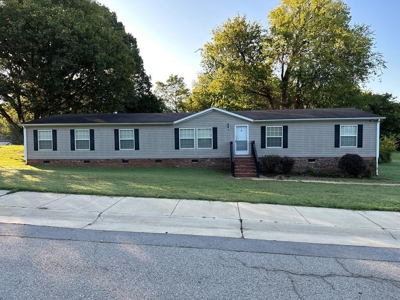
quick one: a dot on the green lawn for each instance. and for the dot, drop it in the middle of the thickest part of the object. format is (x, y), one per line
(182, 183)
(390, 172)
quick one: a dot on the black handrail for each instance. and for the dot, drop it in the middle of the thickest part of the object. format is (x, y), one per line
(255, 158)
(232, 161)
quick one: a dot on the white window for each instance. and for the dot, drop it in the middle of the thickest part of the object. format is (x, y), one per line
(82, 139)
(186, 138)
(45, 139)
(274, 136)
(204, 138)
(348, 136)
(126, 139)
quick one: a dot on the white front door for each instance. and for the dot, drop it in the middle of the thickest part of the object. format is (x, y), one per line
(241, 140)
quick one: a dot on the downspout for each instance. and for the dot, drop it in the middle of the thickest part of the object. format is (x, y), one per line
(25, 146)
(378, 128)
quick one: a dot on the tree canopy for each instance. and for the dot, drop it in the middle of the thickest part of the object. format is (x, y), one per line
(319, 55)
(173, 93)
(68, 56)
(383, 105)
(236, 71)
(310, 55)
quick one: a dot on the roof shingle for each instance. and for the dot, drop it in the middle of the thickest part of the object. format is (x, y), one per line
(170, 118)
(123, 118)
(317, 113)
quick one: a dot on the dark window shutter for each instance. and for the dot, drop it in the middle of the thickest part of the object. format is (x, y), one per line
(116, 139)
(176, 138)
(215, 138)
(263, 136)
(35, 140)
(360, 136)
(54, 133)
(136, 139)
(337, 136)
(285, 136)
(91, 139)
(72, 137)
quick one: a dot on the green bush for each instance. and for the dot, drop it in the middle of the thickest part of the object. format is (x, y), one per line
(287, 164)
(353, 164)
(388, 145)
(270, 163)
(273, 164)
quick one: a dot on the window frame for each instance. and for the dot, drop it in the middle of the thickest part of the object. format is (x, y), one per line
(76, 139)
(51, 139)
(342, 135)
(133, 139)
(194, 138)
(266, 137)
(210, 138)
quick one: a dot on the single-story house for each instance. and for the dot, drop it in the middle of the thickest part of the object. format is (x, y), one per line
(315, 138)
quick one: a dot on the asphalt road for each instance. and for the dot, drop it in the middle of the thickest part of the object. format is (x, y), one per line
(58, 263)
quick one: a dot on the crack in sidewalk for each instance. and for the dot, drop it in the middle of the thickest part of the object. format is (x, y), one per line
(240, 220)
(302, 215)
(179, 201)
(99, 215)
(381, 227)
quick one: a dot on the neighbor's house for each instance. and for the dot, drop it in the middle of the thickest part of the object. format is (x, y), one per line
(315, 138)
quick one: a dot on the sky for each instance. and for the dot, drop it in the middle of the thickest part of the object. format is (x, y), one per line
(171, 32)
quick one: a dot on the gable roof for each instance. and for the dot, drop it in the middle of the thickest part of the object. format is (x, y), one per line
(175, 118)
(234, 114)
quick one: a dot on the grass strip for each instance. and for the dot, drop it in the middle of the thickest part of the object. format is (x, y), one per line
(197, 184)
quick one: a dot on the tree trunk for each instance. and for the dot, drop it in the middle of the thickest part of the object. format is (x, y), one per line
(10, 121)
(284, 88)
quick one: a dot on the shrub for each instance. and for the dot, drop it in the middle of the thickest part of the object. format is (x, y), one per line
(273, 164)
(353, 164)
(270, 163)
(388, 145)
(287, 164)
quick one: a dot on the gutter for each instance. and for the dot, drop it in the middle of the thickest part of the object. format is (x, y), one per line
(91, 124)
(378, 128)
(318, 119)
(25, 146)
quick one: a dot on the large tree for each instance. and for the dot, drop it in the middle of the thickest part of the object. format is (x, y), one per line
(318, 55)
(67, 56)
(309, 56)
(173, 93)
(236, 71)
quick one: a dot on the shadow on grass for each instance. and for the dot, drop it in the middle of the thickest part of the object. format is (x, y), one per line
(196, 184)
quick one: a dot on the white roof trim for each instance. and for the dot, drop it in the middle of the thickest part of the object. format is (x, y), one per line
(91, 124)
(212, 109)
(318, 119)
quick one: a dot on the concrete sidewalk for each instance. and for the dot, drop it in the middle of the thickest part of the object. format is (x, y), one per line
(226, 219)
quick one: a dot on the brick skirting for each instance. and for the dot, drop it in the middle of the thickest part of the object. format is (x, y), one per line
(323, 164)
(302, 164)
(211, 163)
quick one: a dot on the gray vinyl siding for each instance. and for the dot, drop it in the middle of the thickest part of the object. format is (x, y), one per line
(316, 139)
(305, 139)
(156, 141)
(225, 134)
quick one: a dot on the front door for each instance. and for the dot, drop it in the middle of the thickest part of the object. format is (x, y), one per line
(241, 140)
